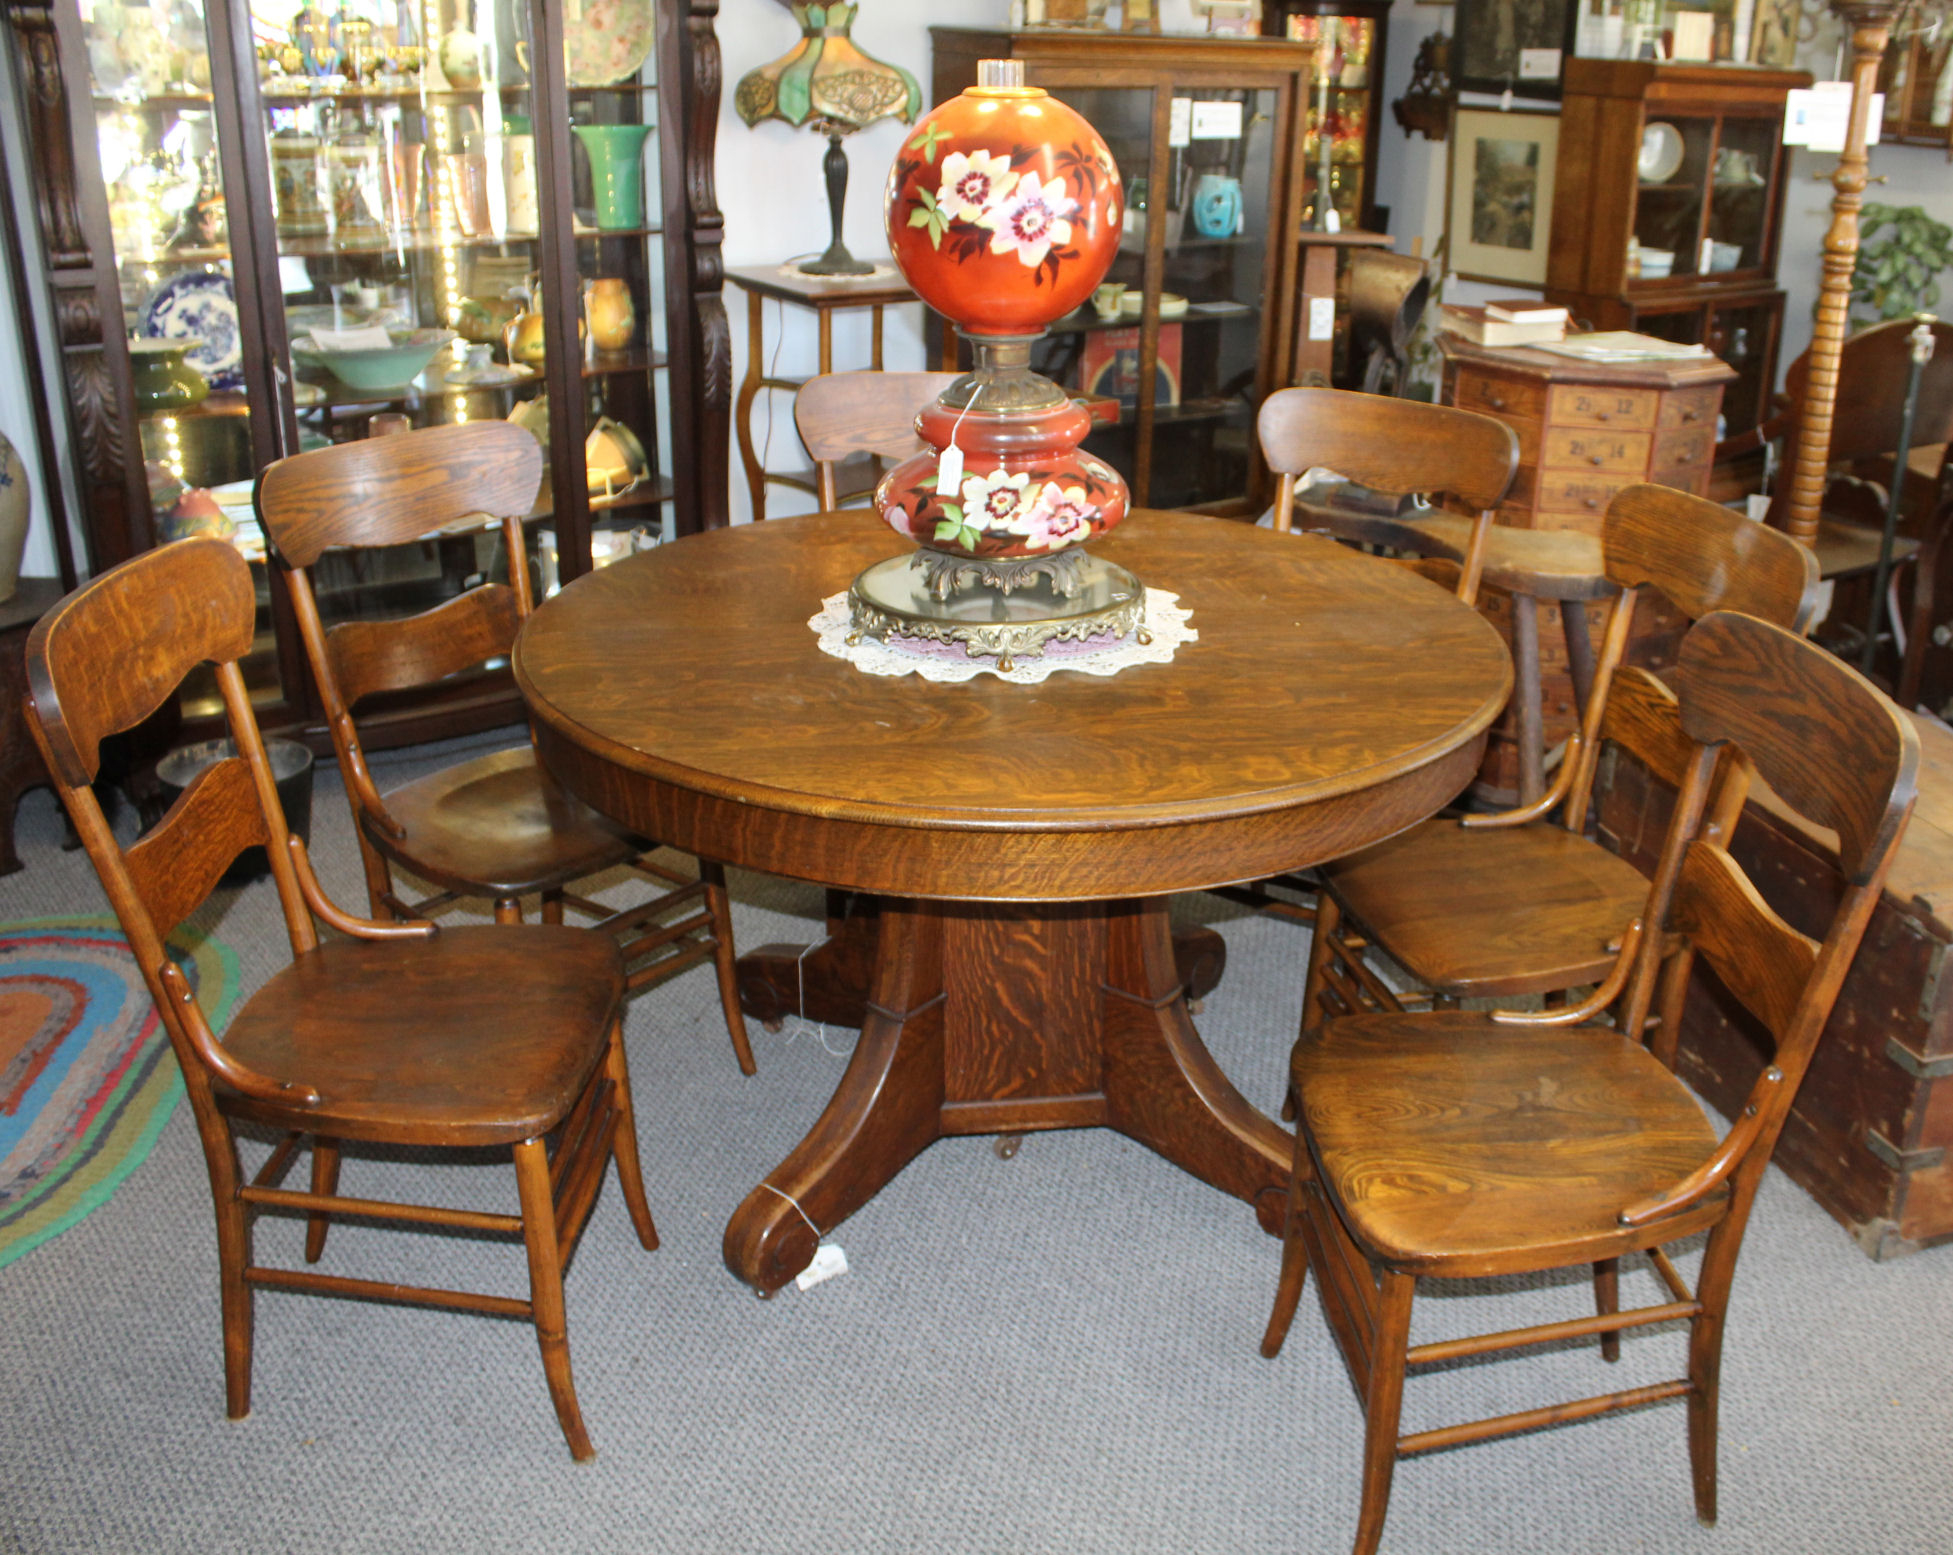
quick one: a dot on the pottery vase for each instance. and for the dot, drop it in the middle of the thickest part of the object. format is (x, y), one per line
(16, 501)
(162, 379)
(1216, 205)
(616, 171)
(612, 318)
(460, 59)
(296, 176)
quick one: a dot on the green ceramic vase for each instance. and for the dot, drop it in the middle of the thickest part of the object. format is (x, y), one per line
(616, 171)
(162, 379)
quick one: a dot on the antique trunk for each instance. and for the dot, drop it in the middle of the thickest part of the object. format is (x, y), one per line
(1869, 1136)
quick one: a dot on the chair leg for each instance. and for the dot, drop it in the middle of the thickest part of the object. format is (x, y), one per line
(233, 1254)
(508, 909)
(623, 1142)
(725, 960)
(546, 1291)
(325, 1181)
(1607, 1298)
(552, 907)
(1295, 1257)
(1383, 1402)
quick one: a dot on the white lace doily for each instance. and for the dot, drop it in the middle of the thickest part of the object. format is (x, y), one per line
(1165, 620)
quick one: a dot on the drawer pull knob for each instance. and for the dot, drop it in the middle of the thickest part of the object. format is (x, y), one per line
(1691, 415)
(1597, 460)
(1600, 415)
(1593, 502)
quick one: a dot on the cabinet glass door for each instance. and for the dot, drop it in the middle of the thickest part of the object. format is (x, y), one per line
(1742, 178)
(156, 133)
(1197, 216)
(1673, 172)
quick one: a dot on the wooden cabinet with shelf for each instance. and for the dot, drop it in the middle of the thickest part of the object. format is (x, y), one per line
(1916, 76)
(411, 188)
(1206, 131)
(1668, 210)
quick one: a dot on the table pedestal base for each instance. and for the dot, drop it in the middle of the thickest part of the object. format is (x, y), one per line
(988, 1019)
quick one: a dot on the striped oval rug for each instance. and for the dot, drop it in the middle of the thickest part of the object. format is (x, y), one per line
(87, 1078)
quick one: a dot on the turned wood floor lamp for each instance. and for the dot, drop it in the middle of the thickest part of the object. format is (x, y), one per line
(1870, 22)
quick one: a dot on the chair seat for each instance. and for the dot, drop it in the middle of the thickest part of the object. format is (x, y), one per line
(1491, 914)
(499, 824)
(1847, 550)
(479, 1035)
(1452, 1145)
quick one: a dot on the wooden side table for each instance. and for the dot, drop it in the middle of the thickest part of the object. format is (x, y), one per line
(20, 762)
(826, 296)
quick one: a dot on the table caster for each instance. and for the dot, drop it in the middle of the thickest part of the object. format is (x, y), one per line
(1006, 1145)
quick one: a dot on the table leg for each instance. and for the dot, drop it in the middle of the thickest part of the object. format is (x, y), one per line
(1528, 715)
(1007, 1019)
(742, 418)
(1579, 652)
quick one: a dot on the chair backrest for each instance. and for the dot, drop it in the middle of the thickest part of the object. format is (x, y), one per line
(99, 662)
(1837, 751)
(1388, 294)
(841, 414)
(388, 491)
(1394, 446)
(1703, 557)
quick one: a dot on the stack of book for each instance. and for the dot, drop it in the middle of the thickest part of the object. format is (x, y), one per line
(1514, 321)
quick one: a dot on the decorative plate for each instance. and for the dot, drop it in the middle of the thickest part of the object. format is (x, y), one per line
(609, 42)
(1661, 152)
(200, 303)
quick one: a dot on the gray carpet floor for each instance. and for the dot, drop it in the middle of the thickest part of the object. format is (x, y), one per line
(1056, 1352)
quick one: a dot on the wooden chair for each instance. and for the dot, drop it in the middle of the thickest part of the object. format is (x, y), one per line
(1872, 371)
(396, 1035)
(845, 415)
(495, 826)
(1455, 1145)
(1511, 904)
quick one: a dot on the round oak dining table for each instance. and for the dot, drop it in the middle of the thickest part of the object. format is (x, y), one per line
(1022, 839)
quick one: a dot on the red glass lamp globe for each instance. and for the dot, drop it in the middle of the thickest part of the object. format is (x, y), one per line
(1003, 210)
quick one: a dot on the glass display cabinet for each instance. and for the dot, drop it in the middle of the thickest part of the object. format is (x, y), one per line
(1668, 208)
(1339, 148)
(1916, 76)
(1195, 324)
(299, 226)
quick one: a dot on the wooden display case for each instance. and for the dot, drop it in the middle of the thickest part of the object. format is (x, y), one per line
(1346, 102)
(1916, 76)
(275, 170)
(1185, 117)
(1668, 210)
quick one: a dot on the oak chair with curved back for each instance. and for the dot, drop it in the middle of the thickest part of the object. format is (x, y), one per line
(388, 1033)
(844, 415)
(1397, 447)
(1516, 903)
(1454, 1145)
(497, 825)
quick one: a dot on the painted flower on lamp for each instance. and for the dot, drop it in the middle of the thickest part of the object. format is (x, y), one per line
(1003, 211)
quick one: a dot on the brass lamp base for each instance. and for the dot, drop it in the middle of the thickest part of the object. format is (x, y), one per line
(894, 598)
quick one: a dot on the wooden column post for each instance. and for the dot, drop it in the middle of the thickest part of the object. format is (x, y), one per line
(1871, 27)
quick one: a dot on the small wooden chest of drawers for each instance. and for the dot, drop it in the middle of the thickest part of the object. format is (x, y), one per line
(1587, 430)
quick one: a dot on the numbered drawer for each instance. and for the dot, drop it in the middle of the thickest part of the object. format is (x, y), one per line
(1503, 397)
(1586, 405)
(1681, 459)
(1691, 408)
(1569, 491)
(1581, 448)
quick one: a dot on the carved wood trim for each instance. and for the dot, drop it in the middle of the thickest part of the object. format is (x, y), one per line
(690, 75)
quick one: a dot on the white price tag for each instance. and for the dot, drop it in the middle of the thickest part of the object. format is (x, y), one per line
(1539, 64)
(1216, 121)
(1821, 117)
(1322, 318)
(829, 1261)
(1179, 121)
(949, 474)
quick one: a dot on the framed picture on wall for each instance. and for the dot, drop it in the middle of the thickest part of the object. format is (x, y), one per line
(1773, 33)
(1511, 45)
(1500, 211)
